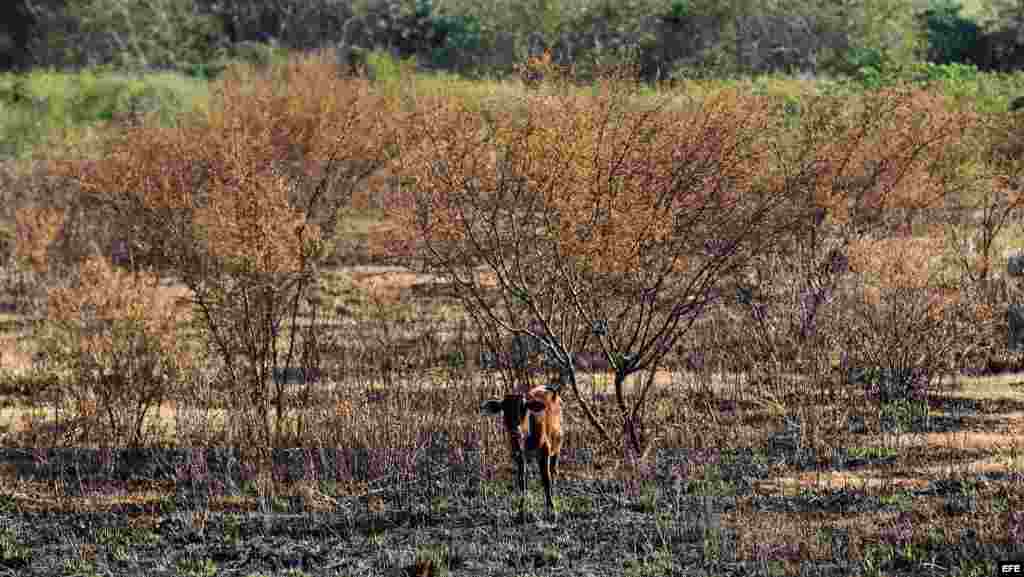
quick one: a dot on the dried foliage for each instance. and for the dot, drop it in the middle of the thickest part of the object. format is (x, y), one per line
(119, 336)
(240, 203)
(888, 152)
(893, 263)
(988, 199)
(178, 183)
(878, 174)
(903, 317)
(598, 215)
(36, 229)
(914, 316)
(607, 219)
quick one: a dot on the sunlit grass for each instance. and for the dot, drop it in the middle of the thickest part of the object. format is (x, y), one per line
(61, 111)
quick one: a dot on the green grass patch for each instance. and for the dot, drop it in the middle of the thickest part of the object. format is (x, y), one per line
(59, 110)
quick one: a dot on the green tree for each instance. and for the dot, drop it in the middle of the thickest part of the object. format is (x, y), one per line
(951, 36)
(130, 33)
(882, 35)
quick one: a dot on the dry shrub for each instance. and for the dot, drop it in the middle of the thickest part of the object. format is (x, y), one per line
(248, 174)
(891, 263)
(598, 214)
(891, 150)
(240, 203)
(253, 227)
(987, 204)
(36, 228)
(903, 317)
(605, 216)
(869, 169)
(118, 335)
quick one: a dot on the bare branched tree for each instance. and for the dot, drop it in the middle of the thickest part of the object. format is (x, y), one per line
(594, 222)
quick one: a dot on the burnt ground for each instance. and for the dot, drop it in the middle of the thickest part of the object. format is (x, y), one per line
(789, 515)
(443, 520)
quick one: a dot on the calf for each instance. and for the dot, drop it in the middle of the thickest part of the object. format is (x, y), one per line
(537, 415)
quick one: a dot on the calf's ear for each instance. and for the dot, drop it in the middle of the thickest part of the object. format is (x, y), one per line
(490, 407)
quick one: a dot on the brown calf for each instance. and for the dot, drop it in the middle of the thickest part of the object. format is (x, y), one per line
(537, 416)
